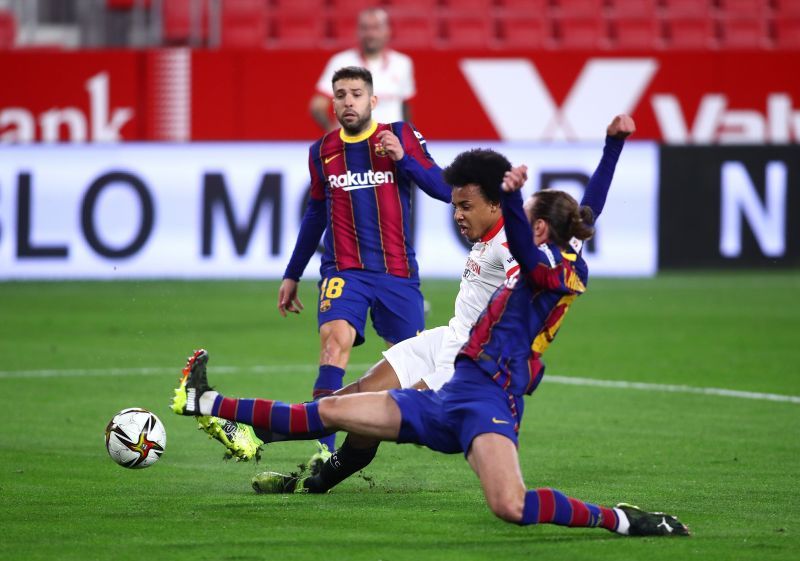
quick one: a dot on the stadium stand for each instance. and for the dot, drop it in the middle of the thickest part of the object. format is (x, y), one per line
(525, 32)
(441, 24)
(744, 32)
(578, 9)
(636, 32)
(185, 22)
(582, 32)
(412, 31)
(8, 30)
(472, 31)
(691, 32)
(787, 33)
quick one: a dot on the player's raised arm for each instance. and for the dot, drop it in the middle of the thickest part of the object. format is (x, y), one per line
(518, 228)
(621, 127)
(407, 147)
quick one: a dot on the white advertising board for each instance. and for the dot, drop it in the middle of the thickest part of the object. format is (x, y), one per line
(232, 210)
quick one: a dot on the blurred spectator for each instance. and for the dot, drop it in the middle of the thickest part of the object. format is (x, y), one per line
(392, 72)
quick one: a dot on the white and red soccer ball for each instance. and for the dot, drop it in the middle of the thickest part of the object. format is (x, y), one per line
(135, 438)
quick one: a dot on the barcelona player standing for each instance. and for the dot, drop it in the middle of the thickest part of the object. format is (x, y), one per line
(362, 176)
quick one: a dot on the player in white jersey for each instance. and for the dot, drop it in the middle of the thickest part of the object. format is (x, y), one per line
(427, 360)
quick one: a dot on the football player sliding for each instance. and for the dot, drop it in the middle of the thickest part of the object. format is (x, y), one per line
(478, 412)
(426, 361)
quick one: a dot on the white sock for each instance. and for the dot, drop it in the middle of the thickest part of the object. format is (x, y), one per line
(622, 527)
(207, 400)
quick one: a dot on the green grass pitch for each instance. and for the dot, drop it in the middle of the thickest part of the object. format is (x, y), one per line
(73, 354)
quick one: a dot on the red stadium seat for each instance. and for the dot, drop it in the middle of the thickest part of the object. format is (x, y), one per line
(177, 20)
(582, 33)
(474, 7)
(428, 6)
(691, 33)
(637, 33)
(580, 8)
(787, 9)
(528, 8)
(8, 30)
(525, 32)
(687, 8)
(413, 31)
(244, 23)
(308, 7)
(469, 31)
(295, 30)
(353, 7)
(343, 28)
(744, 8)
(634, 8)
(787, 33)
(744, 33)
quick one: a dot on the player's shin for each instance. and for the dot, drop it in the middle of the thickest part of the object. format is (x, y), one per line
(296, 421)
(346, 461)
(328, 381)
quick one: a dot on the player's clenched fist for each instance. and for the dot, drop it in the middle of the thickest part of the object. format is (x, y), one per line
(515, 178)
(391, 144)
(621, 127)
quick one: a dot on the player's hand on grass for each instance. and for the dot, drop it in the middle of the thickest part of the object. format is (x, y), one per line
(391, 144)
(621, 127)
(514, 179)
(288, 301)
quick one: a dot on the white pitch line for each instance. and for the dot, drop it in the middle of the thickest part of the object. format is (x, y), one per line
(670, 388)
(309, 368)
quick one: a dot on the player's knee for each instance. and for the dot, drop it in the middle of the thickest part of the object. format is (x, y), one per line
(507, 506)
(330, 410)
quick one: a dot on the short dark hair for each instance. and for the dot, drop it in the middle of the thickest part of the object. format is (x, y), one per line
(353, 73)
(481, 166)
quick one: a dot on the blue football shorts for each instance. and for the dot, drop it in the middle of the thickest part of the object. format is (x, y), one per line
(448, 420)
(395, 304)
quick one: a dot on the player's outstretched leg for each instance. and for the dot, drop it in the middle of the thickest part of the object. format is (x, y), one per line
(238, 439)
(494, 458)
(550, 506)
(195, 397)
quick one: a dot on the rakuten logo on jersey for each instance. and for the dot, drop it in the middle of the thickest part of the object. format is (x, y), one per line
(365, 180)
(102, 124)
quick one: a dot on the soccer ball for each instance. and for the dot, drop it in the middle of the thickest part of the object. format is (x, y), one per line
(135, 438)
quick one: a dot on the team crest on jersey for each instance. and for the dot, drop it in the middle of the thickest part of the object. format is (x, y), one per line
(380, 150)
(325, 305)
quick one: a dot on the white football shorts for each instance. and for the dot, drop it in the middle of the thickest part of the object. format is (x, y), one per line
(428, 357)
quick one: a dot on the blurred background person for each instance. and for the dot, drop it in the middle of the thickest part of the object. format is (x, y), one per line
(392, 72)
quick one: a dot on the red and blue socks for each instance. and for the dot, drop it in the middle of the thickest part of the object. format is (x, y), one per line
(549, 506)
(293, 421)
(328, 381)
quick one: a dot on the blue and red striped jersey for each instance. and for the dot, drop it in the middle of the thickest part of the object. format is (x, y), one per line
(368, 198)
(525, 313)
